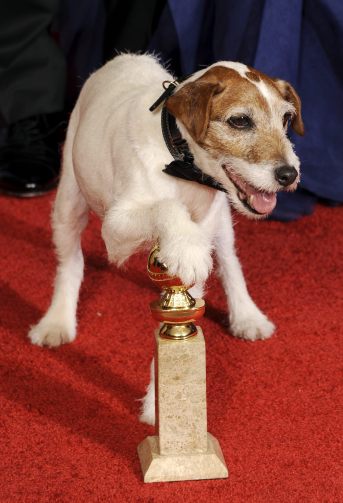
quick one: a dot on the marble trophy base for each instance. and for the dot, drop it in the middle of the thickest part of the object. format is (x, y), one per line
(182, 448)
(168, 468)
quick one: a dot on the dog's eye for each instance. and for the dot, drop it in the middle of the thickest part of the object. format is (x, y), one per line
(286, 119)
(240, 122)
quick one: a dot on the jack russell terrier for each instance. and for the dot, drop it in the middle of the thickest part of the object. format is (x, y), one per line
(223, 141)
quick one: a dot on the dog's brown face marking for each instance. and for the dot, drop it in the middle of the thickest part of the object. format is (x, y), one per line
(264, 141)
(252, 76)
(205, 105)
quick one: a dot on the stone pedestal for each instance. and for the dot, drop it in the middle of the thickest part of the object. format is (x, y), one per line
(195, 466)
(182, 448)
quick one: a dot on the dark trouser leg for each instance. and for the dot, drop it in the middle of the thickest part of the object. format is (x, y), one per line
(32, 67)
(129, 25)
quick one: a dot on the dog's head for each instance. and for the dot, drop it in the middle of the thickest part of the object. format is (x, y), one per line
(235, 120)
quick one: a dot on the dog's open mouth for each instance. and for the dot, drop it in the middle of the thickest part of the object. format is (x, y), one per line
(257, 201)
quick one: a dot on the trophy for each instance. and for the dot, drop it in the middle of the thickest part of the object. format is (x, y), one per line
(182, 449)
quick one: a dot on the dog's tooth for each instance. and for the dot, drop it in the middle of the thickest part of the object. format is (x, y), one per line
(251, 200)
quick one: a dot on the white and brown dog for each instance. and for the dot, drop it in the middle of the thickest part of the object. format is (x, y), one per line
(234, 120)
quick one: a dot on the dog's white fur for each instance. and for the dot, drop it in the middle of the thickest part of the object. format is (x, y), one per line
(112, 164)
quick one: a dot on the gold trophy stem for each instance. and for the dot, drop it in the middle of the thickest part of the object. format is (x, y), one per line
(179, 332)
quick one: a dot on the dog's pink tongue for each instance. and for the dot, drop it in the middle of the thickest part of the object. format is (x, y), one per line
(262, 202)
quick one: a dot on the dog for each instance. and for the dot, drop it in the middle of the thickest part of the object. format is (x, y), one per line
(232, 123)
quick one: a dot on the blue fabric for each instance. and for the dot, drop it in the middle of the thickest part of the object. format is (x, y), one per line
(80, 27)
(298, 40)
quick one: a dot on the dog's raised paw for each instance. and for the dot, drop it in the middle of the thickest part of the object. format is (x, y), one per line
(50, 334)
(252, 327)
(192, 263)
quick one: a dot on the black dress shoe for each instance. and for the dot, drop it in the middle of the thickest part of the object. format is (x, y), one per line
(30, 155)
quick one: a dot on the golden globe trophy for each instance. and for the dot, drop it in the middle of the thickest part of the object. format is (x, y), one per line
(182, 449)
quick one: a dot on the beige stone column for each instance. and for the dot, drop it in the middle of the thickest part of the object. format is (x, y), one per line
(181, 395)
(182, 448)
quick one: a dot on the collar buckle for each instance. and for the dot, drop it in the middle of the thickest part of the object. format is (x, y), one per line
(169, 88)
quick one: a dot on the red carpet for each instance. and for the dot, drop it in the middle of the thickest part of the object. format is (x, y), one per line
(69, 416)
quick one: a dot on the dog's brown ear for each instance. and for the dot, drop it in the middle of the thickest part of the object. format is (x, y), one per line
(192, 106)
(289, 94)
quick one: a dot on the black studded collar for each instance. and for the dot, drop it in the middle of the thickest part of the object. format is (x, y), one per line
(183, 165)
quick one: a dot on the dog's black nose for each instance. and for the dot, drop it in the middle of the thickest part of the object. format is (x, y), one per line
(285, 175)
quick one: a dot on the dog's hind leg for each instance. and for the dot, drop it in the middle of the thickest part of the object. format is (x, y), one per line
(246, 320)
(69, 218)
(147, 414)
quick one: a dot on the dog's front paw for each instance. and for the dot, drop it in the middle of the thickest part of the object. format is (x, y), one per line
(188, 258)
(252, 326)
(51, 334)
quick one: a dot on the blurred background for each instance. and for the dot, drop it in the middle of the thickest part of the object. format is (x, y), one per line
(49, 47)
